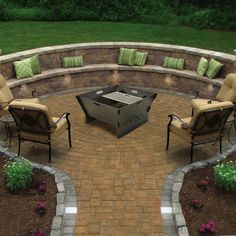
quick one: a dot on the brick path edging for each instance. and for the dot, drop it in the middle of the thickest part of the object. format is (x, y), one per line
(66, 210)
(171, 211)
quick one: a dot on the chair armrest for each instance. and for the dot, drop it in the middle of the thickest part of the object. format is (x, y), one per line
(64, 115)
(183, 124)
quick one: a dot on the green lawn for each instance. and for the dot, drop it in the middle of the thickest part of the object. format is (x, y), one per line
(18, 36)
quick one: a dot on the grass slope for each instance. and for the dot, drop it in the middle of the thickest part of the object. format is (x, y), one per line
(18, 36)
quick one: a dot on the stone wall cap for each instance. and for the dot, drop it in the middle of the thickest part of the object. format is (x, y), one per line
(140, 45)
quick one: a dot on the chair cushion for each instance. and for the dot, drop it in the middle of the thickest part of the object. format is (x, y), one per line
(127, 56)
(140, 58)
(175, 63)
(5, 94)
(35, 66)
(202, 66)
(227, 91)
(23, 68)
(206, 108)
(34, 106)
(213, 68)
(60, 128)
(183, 133)
(73, 61)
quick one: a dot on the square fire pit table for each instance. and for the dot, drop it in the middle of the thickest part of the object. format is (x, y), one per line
(122, 107)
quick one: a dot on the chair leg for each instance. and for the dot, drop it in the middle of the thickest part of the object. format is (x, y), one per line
(69, 136)
(19, 146)
(49, 152)
(168, 138)
(220, 145)
(191, 153)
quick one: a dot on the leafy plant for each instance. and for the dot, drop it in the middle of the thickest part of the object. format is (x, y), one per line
(208, 228)
(225, 175)
(18, 172)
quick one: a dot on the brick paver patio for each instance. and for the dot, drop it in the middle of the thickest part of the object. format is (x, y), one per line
(118, 181)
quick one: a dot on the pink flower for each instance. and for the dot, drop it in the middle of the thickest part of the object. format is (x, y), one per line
(40, 233)
(42, 187)
(209, 227)
(196, 203)
(41, 205)
(203, 184)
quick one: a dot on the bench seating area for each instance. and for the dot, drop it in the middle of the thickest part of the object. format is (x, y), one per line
(101, 69)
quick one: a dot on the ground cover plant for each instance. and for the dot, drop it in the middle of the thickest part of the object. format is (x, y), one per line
(28, 210)
(18, 36)
(208, 198)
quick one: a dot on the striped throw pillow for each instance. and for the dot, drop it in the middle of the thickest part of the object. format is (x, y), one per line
(213, 68)
(202, 66)
(76, 61)
(175, 63)
(140, 58)
(23, 68)
(127, 56)
(35, 65)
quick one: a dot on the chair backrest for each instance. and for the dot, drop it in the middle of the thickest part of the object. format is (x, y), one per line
(31, 117)
(227, 91)
(5, 93)
(210, 118)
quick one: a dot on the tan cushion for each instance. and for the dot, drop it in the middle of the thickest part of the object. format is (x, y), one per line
(198, 102)
(186, 135)
(5, 93)
(33, 106)
(206, 108)
(60, 128)
(228, 89)
(31, 100)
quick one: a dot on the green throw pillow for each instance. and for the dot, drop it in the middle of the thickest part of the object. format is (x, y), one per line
(213, 68)
(127, 56)
(202, 66)
(140, 58)
(35, 65)
(175, 63)
(73, 61)
(23, 68)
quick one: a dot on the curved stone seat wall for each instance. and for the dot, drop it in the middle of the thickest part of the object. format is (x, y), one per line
(101, 68)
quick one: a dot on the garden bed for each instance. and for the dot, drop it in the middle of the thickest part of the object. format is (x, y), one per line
(18, 210)
(219, 205)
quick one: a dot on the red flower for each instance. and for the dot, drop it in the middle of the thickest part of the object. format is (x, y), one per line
(40, 233)
(196, 203)
(41, 205)
(41, 208)
(203, 184)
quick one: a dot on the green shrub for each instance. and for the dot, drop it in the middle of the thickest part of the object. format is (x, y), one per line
(3, 10)
(225, 175)
(18, 172)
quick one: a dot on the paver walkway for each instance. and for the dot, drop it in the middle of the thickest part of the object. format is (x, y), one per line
(118, 181)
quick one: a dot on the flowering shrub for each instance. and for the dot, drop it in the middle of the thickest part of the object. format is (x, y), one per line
(41, 208)
(207, 228)
(36, 232)
(196, 203)
(18, 172)
(225, 175)
(203, 184)
(42, 187)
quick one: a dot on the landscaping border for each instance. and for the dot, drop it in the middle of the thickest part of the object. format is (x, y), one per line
(66, 210)
(171, 211)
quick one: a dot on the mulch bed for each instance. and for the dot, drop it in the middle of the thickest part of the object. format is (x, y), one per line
(17, 211)
(218, 205)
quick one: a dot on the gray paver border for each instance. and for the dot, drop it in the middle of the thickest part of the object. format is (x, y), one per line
(171, 211)
(66, 210)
